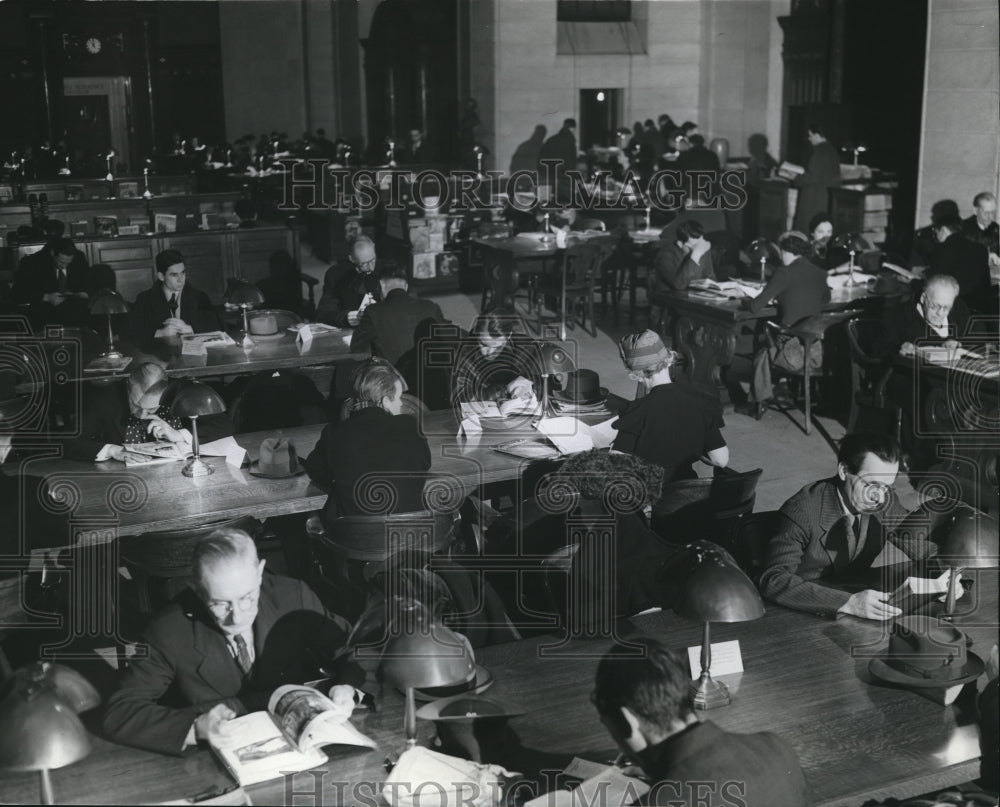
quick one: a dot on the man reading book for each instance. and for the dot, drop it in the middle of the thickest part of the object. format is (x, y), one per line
(835, 531)
(221, 648)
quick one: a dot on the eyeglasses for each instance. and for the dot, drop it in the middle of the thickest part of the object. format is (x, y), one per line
(364, 266)
(223, 608)
(872, 490)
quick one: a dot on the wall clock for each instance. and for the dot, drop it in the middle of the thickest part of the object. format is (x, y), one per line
(93, 45)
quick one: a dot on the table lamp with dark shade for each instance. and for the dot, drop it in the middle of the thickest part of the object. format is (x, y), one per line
(421, 653)
(39, 725)
(193, 400)
(244, 296)
(763, 251)
(554, 360)
(108, 302)
(967, 539)
(715, 590)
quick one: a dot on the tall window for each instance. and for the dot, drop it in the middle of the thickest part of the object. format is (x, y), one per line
(594, 10)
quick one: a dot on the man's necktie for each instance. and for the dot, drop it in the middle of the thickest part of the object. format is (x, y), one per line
(856, 539)
(61, 280)
(173, 304)
(242, 654)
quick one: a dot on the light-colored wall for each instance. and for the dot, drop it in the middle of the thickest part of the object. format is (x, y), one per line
(712, 61)
(960, 137)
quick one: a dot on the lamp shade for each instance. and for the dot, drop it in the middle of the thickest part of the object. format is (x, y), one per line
(555, 359)
(851, 242)
(241, 293)
(968, 539)
(763, 250)
(108, 301)
(421, 653)
(716, 590)
(195, 399)
(39, 726)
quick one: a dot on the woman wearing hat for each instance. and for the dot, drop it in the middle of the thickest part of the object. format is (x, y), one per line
(673, 425)
(134, 412)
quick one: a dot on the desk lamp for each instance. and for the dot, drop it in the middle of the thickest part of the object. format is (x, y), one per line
(194, 400)
(39, 724)
(421, 653)
(108, 302)
(244, 296)
(715, 590)
(967, 539)
(555, 360)
(147, 193)
(763, 251)
(480, 151)
(858, 149)
(854, 244)
(108, 157)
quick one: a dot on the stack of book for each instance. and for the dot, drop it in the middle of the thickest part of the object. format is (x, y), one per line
(570, 408)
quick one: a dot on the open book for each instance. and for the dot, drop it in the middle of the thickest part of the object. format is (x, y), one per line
(208, 339)
(154, 453)
(286, 738)
(917, 592)
(726, 288)
(598, 784)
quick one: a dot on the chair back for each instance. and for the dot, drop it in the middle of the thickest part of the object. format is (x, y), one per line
(861, 333)
(707, 508)
(749, 542)
(583, 263)
(166, 558)
(379, 537)
(274, 400)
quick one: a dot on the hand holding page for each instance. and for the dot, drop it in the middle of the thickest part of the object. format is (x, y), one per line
(916, 592)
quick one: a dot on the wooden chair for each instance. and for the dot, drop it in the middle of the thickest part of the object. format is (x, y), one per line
(869, 374)
(749, 542)
(159, 563)
(577, 283)
(709, 508)
(809, 332)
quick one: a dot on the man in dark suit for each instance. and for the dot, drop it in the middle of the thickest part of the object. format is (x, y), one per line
(349, 286)
(644, 700)
(698, 159)
(801, 291)
(562, 147)
(964, 260)
(822, 173)
(835, 532)
(220, 649)
(56, 282)
(982, 227)
(172, 307)
(387, 328)
(936, 316)
(376, 443)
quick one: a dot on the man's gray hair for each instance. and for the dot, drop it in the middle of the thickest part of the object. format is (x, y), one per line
(222, 545)
(941, 281)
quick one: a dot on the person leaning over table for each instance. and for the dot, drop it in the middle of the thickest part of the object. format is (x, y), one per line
(964, 260)
(349, 285)
(801, 291)
(222, 647)
(172, 307)
(982, 228)
(644, 701)
(689, 257)
(495, 363)
(936, 316)
(133, 412)
(388, 328)
(673, 425)
(375, 439)
(836, 530)
(56, 283)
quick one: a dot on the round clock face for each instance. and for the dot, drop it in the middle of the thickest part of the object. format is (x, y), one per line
(93, 45)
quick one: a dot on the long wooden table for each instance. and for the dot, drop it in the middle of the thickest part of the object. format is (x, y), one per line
(706, 326)
(805, 678)
(158, 497)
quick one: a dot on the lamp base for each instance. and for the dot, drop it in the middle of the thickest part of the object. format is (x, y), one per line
(247, 343)
(708, 693)
(108, 360)
(197, 467)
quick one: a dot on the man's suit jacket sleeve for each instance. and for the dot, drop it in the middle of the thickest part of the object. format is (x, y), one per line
(780, 581)
(364, 335)
(134, 717)
(316, 464)
(673, 268)
(330, 308)
(143, 319)
(776, 285)
(205, 317)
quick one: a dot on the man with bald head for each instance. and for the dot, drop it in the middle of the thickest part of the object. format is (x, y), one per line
(350, 285)
(222, 647)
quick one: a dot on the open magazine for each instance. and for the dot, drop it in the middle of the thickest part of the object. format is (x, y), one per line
(286, 738)
(727, 288)
(916, 592)
(153, 453)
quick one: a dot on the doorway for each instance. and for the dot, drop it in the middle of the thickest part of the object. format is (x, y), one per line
(97, 118)
(599, 117)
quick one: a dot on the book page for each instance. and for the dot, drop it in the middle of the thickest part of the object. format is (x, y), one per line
(487, 409)
(568, 434)
(209, 339)
(254, 749)
(310, 719)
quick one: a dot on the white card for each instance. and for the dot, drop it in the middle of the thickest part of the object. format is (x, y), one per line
(193, 348)
(305, 336)
(236, 455)
(726, 659)
(470, 425)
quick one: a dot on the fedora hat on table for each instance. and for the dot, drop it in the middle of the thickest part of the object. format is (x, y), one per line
(263, 324)
(277, 460)
(925, 653)
(582, 387)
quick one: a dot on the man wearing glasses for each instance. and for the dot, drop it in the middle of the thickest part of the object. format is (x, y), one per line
(350, 286)
(222, 647)
(836, 531)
